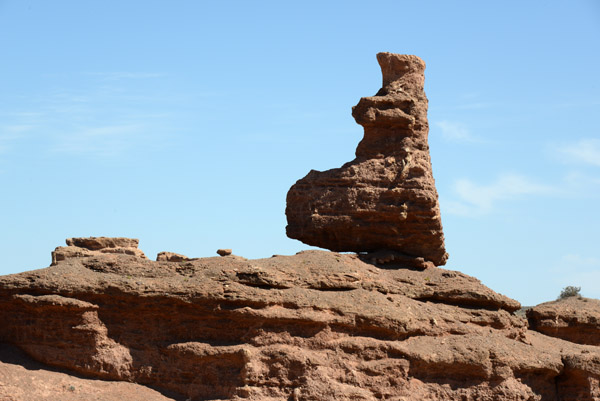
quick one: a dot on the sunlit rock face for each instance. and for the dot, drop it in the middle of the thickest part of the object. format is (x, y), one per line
(385, 199)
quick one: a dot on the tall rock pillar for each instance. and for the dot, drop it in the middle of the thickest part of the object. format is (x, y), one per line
(385, 199)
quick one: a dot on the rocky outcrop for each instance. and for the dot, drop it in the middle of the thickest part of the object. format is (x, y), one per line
(575, 319)
(171, 257)
(90, 246)
(385, 199)
(103, 243)
(313, 326)
(23, 379)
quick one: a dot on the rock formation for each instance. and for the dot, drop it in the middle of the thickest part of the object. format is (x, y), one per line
(385, 199)
(24, 379)
(224, 252)
(82, 247)
(171, 257)
(573, 319)
(314, 326)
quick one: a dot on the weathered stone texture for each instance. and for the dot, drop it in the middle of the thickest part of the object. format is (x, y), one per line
(385, 199)
(90, 246)
(171, 257)
(312, 326)
(575, 319)
(224, 252)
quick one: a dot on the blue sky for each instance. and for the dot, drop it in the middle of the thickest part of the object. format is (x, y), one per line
(184, 124)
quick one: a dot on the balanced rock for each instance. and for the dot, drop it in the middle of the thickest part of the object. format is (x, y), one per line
(385, 199)
(224, 252)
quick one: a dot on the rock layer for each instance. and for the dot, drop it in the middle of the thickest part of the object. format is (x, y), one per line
(575, 319)
(23, 379)
(90, 246)
(171, 257)
(385, 199)
(314, 326)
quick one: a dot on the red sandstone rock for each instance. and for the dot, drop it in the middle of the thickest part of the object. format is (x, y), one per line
(90, 246)
(98, 243)
(385, 199)
(23, 379)
(224, 252)
(573, 319)
(171, 257)
(313, 326)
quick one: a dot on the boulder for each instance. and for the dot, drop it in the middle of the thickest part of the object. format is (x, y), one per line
(385, 199)
(224, 252)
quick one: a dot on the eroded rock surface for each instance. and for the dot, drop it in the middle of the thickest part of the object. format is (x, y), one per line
(575, 319)
(385, 199)
(313, 326)
(23, 379)
(90, 246)
(171, 257)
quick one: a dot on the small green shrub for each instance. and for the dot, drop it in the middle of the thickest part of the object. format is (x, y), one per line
(569, 291)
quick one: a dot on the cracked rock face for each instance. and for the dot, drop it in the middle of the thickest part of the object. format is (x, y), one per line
(312, 326)
(385, 199)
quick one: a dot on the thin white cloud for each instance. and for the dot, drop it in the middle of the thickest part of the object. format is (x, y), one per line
(97, 119)
(116, 75)
(469, 101)
(577, 181)
(10, 133)
(471, 199)
(99, 141)
(455, 131)
(571, 261)
(472, 106)
(23, 114)
(269, 138)
(16, 129)
(584, 151)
